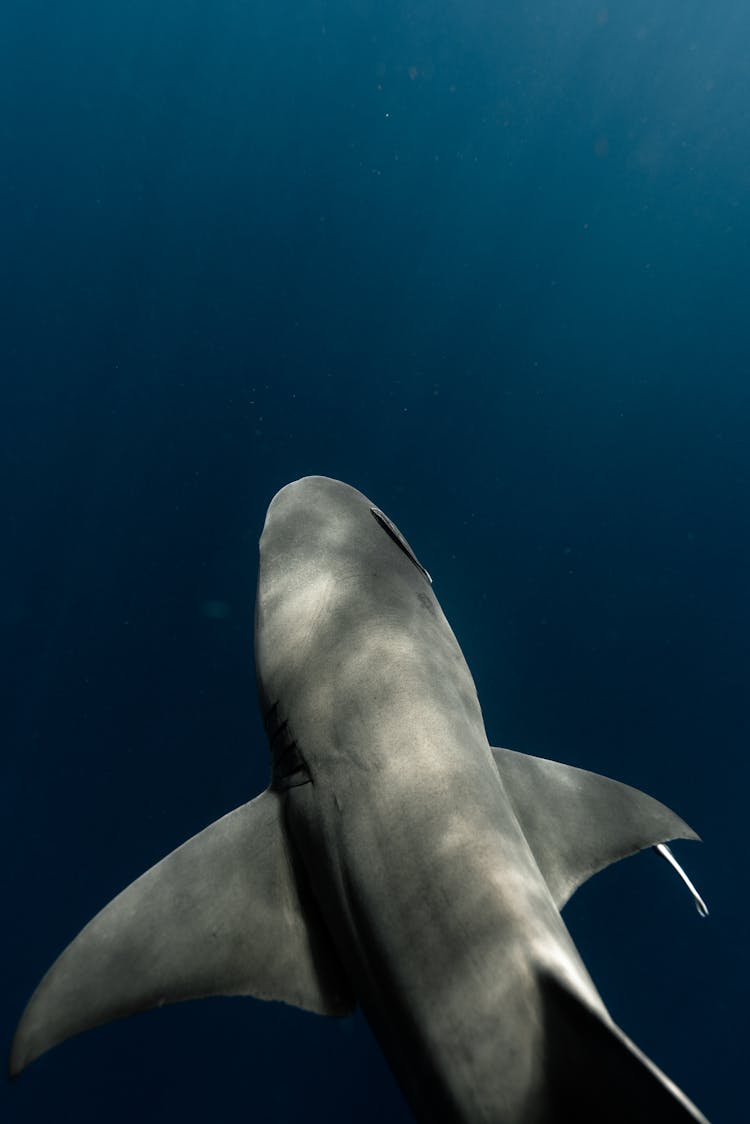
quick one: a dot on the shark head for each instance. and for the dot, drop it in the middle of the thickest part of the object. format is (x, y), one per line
(332, 565)
(350, 638)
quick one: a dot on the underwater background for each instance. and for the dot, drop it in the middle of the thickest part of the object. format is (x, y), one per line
(486, 261)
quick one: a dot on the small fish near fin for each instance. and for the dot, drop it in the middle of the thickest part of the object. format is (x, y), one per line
(577, 822)
(221, 915)
(595, 1073)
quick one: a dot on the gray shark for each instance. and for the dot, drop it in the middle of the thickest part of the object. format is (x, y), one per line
(396, 859)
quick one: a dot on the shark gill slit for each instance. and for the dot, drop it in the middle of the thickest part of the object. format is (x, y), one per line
(289, 767)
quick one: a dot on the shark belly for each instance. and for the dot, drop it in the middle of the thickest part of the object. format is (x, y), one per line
(445, 926)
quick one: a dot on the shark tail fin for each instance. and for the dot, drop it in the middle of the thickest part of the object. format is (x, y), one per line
(224, 914)
(596, 1073)
(577, 822)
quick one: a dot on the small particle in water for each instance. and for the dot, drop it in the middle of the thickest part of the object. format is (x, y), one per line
(215, 610)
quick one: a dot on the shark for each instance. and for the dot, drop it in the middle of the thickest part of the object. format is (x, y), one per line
(396, 859)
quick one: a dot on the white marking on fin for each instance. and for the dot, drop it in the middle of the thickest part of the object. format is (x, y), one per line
(663, 850)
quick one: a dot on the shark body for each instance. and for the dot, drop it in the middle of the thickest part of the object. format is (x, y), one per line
(396, 860)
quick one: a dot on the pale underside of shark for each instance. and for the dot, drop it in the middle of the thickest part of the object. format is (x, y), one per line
(396, 859)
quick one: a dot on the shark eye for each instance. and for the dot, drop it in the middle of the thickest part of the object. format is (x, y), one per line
(393, 532)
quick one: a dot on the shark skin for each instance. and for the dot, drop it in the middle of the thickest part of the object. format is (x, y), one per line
(397, 860)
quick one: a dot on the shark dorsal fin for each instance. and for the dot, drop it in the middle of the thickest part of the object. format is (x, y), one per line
(577, 822)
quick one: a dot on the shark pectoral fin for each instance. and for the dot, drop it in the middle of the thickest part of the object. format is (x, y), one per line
(224, 914)
(595, 1073)
(578, 822)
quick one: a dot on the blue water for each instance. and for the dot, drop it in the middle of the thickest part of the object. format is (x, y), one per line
(487, 262)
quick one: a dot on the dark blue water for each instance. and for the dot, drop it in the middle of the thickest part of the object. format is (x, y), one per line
(487, 262)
